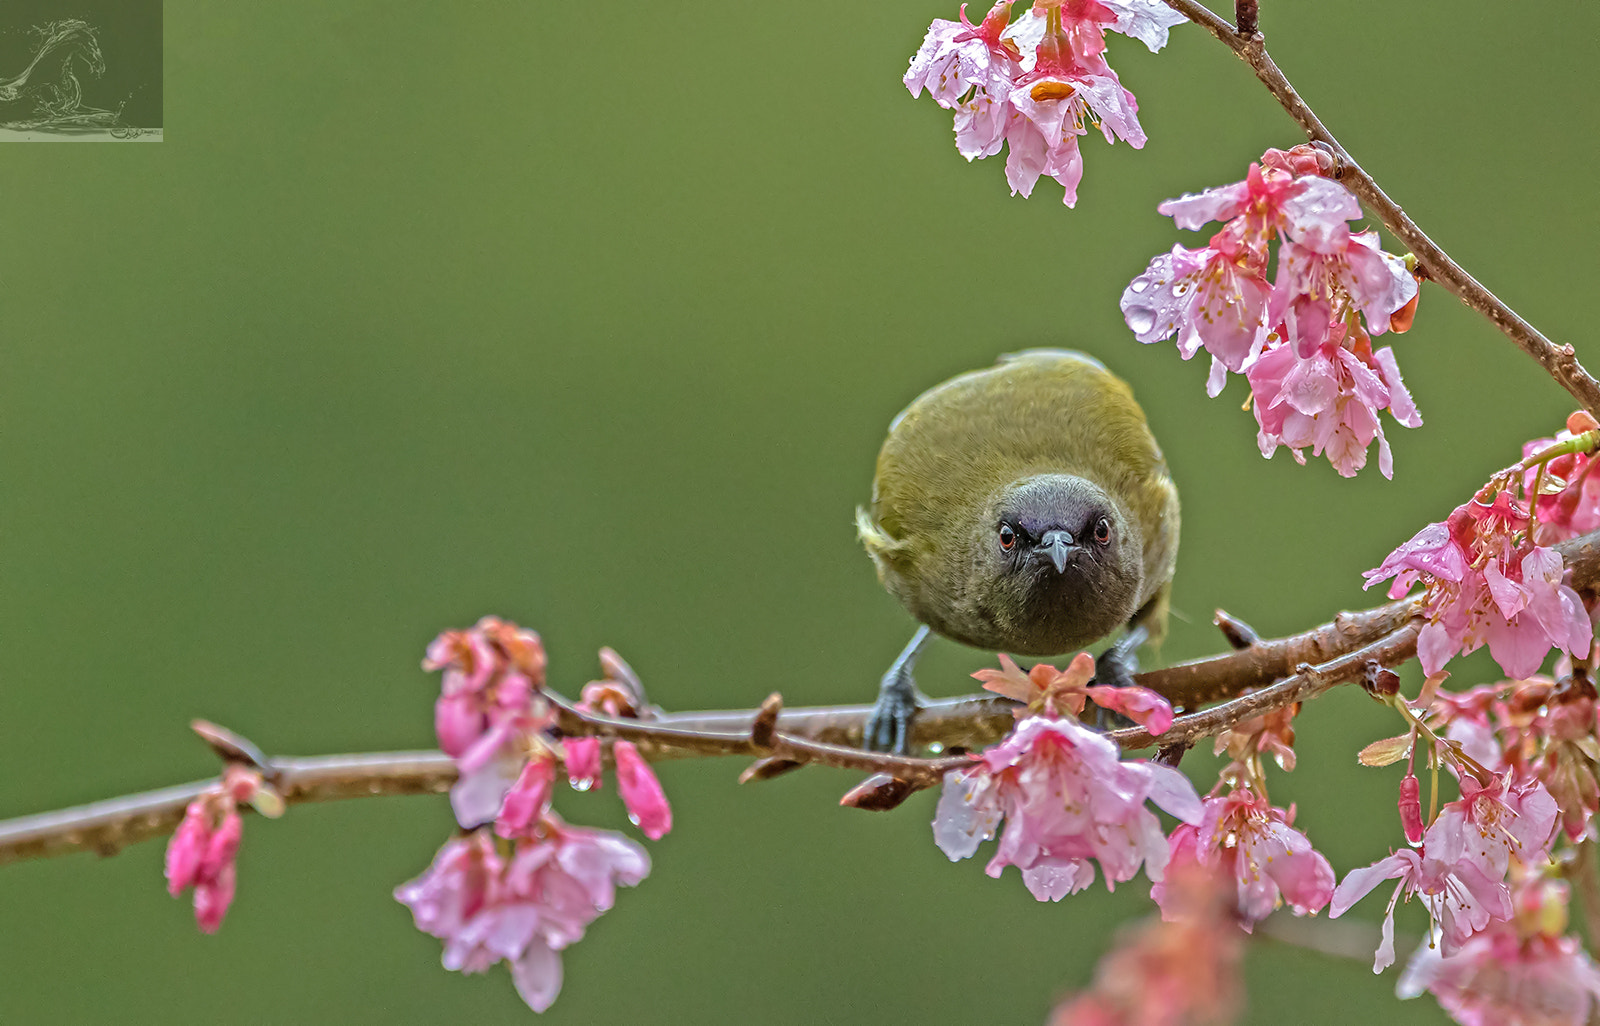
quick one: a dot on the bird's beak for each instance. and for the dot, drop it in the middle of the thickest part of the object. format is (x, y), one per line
(1057, 546)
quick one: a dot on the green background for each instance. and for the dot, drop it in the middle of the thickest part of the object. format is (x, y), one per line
(593, 317)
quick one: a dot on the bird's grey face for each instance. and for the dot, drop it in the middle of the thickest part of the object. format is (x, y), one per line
(1067, 563)
(1051, 524)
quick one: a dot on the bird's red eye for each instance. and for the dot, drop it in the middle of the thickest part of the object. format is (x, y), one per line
(1008, 537)
(1102, 531)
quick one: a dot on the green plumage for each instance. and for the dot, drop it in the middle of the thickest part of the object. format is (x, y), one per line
(1045, 433)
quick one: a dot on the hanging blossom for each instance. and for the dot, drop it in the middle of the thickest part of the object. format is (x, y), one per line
(1303, 338)
(524, 904)
(488, 706)
(1526, 972)
(1066, 798)
(1182, 968)
(1569, 492)
(1486, 582)
(1253, 846)
(1035, 85)
(202, 851)
(1458, 869)
(1538, 729)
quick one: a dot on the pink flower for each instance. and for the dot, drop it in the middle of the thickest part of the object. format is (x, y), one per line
(641, 792)
(1460, 900)
(1491, 822)
(1252, 843)
(1035, 84)
(1066, 799)
(1314, 378)
(1460, 869)
(1323, 268)
(1052, 692)
(1206, 298)
(583, 761)
(1486, 583)
(488, 700)
(1182, 968)
(1496, 980)
(1328, 401)
(958, 57)
(524, 909)
(202, 851)
(1520, 973)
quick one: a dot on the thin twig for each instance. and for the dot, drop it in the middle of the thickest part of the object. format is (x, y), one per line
(1561, 362)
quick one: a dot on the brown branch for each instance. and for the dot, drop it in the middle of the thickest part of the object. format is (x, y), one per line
(1309, 682)
(1307, 663)
(1561, 362)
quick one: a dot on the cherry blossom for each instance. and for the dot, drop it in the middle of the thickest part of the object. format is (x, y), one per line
(1182, 968)
(1303, 340)
(488, 701)
(1492, 822)
(1037, 84)
(1043, 689)
(1569, 500)
(1521, 973)
(1460, 900)
(1486, 583)
(1066, 799)
(525, 907)
(1254, 846)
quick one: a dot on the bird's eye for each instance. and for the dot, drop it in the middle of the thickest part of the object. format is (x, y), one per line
(1102, 531)
(1008, 537)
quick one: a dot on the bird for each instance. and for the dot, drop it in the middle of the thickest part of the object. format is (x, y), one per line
(1022, 508)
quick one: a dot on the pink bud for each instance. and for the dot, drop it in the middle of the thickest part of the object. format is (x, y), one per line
(222, 846)
(528, 798)
(583, 761)
(457, 722)
(212, 898)
(187, 848)
(1411, 808)
(641, 792)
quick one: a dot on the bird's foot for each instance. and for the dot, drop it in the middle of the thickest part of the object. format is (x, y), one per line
(888, 727)
(1116, 668)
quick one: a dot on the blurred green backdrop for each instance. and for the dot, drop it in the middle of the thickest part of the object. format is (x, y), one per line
(593, 317)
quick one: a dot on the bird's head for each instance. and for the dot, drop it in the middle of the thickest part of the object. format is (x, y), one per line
(1066, 559)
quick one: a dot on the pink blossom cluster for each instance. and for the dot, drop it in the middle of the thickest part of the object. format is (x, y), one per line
(1254, 847)
(1458, 869)
(524, 898)
(1535, 729)
(489, 705)
(1182, 968)
(1067, 801)
(1303, 337)
(1525, 971)
(1036, 84)
(1488, 583)
(202, 851)
(522, 902)
(1569, 494)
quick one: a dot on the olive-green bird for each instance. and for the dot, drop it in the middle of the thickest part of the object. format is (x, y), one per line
(1023, 508)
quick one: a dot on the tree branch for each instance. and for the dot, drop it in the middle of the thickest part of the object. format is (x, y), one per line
(1303, 665)
(1561, 362)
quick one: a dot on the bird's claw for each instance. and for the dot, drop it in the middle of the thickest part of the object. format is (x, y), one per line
(1116, 668)
(888, 726)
